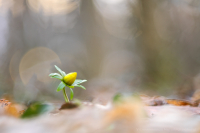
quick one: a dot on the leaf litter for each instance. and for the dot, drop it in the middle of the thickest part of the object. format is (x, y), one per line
(130, 114)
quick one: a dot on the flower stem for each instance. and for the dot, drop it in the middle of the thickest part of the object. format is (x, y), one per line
(65, 96)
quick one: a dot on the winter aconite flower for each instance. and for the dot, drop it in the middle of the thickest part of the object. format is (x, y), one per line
(68, 80)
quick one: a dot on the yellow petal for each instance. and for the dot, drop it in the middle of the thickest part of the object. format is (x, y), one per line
(70, 78)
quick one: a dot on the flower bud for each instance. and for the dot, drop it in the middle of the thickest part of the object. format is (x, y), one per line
(70, 78)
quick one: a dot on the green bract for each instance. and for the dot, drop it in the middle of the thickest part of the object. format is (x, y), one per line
(68, 80)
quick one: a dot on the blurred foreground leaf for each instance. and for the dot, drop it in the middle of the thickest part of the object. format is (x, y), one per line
(117, 98)
(36, 109)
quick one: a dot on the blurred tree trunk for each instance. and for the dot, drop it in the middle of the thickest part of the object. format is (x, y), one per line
(90, 38)
(161, 64)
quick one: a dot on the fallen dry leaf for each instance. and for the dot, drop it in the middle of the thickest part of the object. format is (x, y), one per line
(11, 109)
(160, 100)
(178, 102)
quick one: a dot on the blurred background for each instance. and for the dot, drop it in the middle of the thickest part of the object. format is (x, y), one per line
(129, 46)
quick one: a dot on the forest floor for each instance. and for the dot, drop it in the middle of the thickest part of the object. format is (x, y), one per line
(131, 114)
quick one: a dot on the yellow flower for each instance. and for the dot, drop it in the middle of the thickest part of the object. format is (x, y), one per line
(70, 78)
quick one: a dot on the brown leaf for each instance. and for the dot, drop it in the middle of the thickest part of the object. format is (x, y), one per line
(178, 102)
(11, 109)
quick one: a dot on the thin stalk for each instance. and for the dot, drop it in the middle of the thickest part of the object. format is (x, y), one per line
(65, 96)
